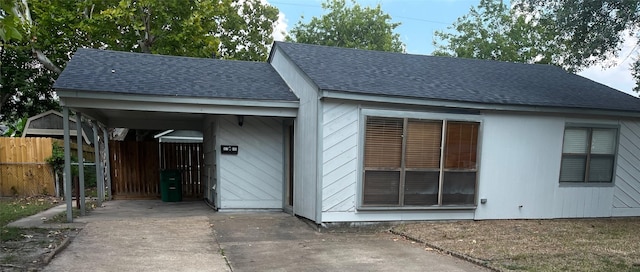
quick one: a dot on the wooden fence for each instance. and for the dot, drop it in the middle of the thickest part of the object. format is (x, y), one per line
(188, 158)
(23, 167)
(135, 168)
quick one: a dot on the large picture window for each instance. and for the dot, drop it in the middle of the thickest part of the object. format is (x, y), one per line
(588, 154)
(408, 162)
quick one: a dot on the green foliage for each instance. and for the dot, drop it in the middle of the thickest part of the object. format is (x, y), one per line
(15, 128)
(230, 29)
(590, 32)
(56, 161)
(10, 25)
(350, 26)
(197, 28)
(494, 31)
(26, 85)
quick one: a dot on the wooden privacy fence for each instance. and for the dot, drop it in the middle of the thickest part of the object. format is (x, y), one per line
(23, 167)
(135, 168)
(188, 158)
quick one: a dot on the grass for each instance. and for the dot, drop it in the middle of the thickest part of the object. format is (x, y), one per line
(539, 245)
(12, 209)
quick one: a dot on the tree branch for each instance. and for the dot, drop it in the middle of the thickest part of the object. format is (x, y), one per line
(46, 62)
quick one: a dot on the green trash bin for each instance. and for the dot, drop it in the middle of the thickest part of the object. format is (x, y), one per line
(171, 185)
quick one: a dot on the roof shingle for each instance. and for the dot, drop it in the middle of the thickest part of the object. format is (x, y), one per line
(452, 79)
(135, 73)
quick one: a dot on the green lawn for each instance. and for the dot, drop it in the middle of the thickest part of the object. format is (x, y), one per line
(12, 209)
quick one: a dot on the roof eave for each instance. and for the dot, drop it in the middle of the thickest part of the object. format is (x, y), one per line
(476, 106)
(79, 100)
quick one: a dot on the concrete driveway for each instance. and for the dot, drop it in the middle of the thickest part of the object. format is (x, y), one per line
(144, 235)
(281, 242)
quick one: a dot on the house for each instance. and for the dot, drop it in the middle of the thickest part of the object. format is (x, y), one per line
(345, 135)
(49, 124)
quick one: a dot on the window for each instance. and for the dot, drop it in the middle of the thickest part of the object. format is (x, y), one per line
(408, 162)
(588, 154)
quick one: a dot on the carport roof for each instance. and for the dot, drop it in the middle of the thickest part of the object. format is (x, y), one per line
(104, 71)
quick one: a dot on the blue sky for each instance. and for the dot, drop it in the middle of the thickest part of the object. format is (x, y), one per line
(421, 18)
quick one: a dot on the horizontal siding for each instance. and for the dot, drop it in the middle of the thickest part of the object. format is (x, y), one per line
(626, 195)
(339, 157)
(254, 177)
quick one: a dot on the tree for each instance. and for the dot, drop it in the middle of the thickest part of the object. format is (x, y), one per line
(10, 27)
(197, 28)
(591, 32)
(53, 29)
(350, 26)
(494, 31)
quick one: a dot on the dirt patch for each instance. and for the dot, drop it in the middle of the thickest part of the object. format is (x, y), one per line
(538, 245)
(30, 252)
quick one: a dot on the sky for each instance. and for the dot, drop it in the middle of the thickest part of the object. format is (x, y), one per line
(421, 18)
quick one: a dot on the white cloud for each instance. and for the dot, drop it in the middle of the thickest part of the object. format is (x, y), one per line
(618, 76)
(280, 28)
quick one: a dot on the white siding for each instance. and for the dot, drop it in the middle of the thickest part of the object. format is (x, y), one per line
(209, 146)
(520, 158)
(519, 166)
(306, 137)
(254, 178)
(626, 198)
(519, 171)
(339, 157)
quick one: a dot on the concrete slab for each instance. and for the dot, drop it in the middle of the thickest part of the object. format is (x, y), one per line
(149, 235)
(143, 236)
(281, 242)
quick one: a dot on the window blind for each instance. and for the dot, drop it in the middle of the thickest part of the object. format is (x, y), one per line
(423, 144)
(383, 142)
(461, 145)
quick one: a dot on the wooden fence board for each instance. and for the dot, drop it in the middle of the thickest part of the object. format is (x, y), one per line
(23, 167)
(136, 166)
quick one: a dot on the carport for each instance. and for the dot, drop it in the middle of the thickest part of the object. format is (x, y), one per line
(242, 108)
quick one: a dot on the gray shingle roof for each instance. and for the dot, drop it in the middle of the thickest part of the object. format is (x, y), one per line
(452, 79)
(134, 73)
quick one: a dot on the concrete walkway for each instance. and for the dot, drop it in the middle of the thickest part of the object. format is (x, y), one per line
(149, 235)
(143, 236)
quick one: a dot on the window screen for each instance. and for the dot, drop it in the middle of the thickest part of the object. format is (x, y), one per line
(588, 154)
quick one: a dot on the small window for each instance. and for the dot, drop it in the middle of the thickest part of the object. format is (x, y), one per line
(588, 154)
(408, 162)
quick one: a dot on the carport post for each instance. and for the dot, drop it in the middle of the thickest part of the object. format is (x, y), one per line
(107, 171)
(98, 161)
(80, 143)
(67, 164)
